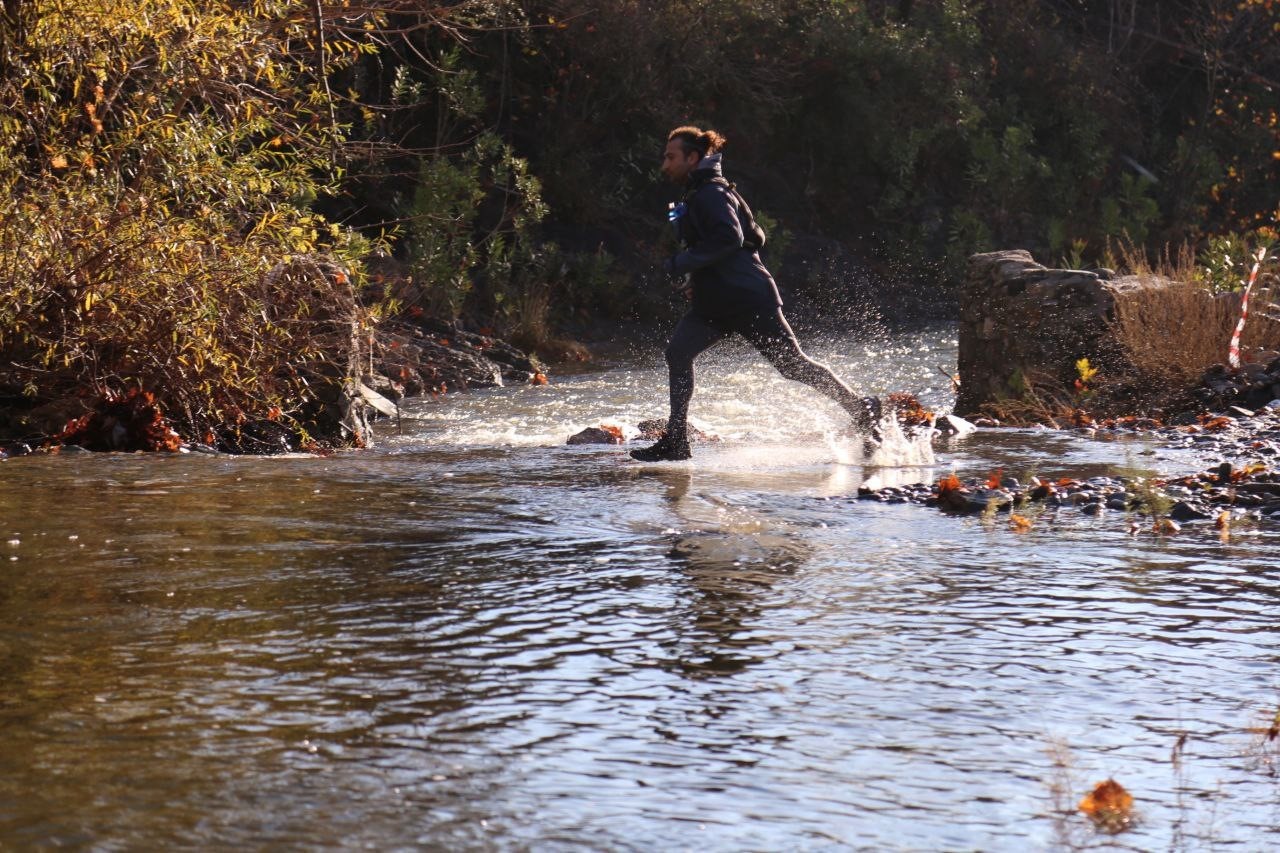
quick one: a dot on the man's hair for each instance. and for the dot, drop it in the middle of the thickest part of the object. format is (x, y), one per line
(696, 139)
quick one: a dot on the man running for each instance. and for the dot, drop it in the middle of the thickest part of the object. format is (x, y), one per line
(730, 291)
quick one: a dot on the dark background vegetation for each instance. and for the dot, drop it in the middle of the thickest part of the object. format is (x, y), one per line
(884, 141)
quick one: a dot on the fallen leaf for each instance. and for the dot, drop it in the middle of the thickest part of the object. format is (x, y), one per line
(1165, 527)
(1248, 471)
(1220, 422)
(907, 409)
(993, 482)
(1109, 806)
(950, 483)
(538, 379)
(1020, 523)
(1223, 521)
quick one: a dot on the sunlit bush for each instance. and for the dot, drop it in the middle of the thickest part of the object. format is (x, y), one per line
(156, 162)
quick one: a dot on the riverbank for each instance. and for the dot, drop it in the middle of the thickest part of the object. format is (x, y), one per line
(1240, 479)
(408, 356)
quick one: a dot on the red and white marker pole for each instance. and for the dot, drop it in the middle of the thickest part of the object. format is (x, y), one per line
(1233, 354)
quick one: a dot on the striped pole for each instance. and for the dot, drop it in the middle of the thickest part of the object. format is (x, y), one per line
(1233, 354)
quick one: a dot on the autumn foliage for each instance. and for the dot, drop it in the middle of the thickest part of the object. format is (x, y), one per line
(128, 422)
(155, 167)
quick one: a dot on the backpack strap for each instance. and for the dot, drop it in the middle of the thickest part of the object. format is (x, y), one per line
(753, 235)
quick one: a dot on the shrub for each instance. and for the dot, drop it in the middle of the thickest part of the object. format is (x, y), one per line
(156, 163)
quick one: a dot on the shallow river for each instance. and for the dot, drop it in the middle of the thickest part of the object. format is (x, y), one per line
(475, 637)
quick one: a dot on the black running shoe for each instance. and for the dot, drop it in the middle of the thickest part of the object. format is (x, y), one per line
(665, 449)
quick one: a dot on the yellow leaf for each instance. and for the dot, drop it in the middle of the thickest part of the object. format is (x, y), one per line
(58, 161)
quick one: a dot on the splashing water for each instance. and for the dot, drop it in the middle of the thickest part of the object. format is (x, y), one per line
(760, 419)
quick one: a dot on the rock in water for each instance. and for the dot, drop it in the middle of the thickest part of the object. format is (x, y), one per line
(597, 435)
(953, 425)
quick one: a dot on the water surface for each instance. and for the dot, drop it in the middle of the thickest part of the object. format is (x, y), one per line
(475, 637)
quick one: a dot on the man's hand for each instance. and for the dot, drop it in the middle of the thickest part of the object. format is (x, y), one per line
(680, 284)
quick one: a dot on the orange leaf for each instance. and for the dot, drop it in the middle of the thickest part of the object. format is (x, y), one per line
(950, 483)
(1020, 523)
(1109, 805)
(1223, 521)
(1221, 422)
(1248, 471)
(993, 482)
(538, 379)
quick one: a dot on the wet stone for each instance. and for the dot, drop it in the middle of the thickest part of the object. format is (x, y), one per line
(595, 435)
(988, 499)
(1183, 511)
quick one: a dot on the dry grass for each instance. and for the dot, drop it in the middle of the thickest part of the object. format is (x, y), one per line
(1173, 329)
(1041, 400)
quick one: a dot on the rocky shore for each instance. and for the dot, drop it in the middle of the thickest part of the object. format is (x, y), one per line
(1243, 482)
(410, 356)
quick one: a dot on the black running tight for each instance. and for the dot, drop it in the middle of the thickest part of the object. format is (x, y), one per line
(771, 335)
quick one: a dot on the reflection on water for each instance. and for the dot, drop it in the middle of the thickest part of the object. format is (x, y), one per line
(477, 637)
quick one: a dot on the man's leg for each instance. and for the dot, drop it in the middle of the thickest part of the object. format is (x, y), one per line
(691, 337)
(771, 334)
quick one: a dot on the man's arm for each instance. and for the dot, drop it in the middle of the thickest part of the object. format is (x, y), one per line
(719, 227)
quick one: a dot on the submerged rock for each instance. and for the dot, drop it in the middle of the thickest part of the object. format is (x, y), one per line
(603, 434)
(988, 500)
(653, 428)
(953, 425)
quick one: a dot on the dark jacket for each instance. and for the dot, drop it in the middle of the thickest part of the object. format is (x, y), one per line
(728, 277)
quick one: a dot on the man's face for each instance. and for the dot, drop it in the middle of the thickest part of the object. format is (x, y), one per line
(676, 164)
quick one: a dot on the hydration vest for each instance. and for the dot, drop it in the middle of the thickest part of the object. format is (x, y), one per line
(753, 236)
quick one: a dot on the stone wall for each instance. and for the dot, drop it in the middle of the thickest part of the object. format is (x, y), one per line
(1020, 321)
